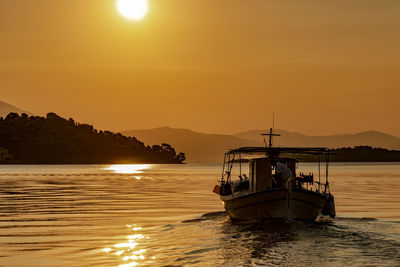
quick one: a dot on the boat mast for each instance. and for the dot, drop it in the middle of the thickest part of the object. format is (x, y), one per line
(270, 134)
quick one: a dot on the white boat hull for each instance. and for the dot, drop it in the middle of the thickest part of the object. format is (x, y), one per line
(275, 203)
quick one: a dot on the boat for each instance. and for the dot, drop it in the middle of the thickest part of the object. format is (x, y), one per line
(250, 188)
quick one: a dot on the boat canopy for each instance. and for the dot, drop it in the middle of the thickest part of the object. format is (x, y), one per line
(243, 154)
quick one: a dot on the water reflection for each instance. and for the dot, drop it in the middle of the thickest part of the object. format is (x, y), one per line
(213, 240)
(85, 216)
(129, 251)
(128, 168)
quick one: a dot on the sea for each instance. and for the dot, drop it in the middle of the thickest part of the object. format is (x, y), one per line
(167, 215)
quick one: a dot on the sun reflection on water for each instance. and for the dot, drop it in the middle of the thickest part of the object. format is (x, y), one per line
(129, 264)
(128, 168)
(128, 251)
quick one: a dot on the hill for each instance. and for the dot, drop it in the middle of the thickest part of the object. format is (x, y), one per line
(367, 138)
(198, 147)
(55, 140)
(6, 108)
(202, 147)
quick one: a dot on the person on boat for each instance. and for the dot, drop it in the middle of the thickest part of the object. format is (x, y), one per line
(283, 174)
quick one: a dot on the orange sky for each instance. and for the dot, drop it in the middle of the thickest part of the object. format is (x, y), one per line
(220, 66)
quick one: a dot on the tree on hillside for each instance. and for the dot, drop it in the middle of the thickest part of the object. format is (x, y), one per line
(181, 156)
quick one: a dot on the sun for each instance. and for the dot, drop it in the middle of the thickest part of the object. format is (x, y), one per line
(133, 9)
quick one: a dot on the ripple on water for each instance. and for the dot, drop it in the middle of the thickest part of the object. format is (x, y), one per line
(88, 215)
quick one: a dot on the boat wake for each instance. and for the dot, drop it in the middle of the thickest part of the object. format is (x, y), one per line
(207, 216)
(292, 242)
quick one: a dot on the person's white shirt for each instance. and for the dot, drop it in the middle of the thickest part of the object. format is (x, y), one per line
(283, 172)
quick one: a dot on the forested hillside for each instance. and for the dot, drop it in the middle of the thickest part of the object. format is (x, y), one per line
(364, 154)
(358, 154)
(55, 140)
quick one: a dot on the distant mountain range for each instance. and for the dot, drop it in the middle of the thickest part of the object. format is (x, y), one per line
(198, 147)
(6, 108)
(202, 147)
(366, 138)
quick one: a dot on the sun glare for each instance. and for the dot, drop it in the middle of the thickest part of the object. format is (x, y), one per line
(132, 9)
(128, 169)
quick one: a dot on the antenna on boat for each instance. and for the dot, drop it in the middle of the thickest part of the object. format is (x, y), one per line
(273, 121)
(273, 128)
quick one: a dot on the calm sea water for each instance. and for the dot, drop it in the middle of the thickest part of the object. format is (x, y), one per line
(166, 215)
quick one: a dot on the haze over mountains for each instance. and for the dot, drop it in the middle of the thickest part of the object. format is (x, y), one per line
(6, 108)
(198, 147)
(369, 138)
(202, 147)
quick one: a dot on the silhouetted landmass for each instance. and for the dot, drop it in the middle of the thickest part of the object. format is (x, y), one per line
(55, 140)
(364, 154)
(358, 154)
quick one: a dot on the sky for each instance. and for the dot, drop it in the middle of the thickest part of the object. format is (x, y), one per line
(322, 67)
